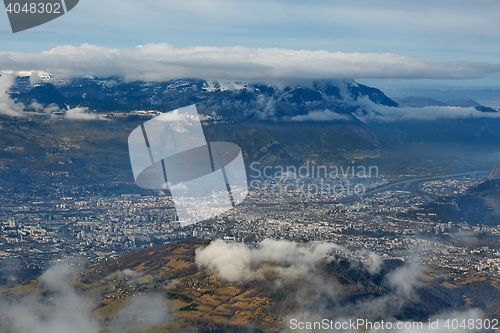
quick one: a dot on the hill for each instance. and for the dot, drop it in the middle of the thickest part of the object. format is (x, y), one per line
(269, 291)
(479, 205)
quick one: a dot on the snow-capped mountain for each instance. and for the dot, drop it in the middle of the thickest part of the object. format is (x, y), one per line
(233, 100)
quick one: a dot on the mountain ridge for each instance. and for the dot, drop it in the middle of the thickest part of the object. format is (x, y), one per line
(265, 101)
(200, 297)
(421, 102)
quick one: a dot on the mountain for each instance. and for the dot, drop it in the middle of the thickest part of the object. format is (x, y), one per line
(45, 94)
(421, 102)
(225, 99)
(479, 205)
(321, 112)
(273, 125)
(202, 298)
(463, 103)
(485, 109)
(265, 302)
(495, 173)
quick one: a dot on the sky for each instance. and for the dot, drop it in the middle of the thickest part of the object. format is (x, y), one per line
(384, 42)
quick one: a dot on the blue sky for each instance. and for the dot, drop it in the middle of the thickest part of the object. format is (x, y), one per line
(444, 32)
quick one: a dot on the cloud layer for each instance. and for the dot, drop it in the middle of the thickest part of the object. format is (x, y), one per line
(160, 62)
(439, 29)
(69, 311)
(368, 111)
(80, 113)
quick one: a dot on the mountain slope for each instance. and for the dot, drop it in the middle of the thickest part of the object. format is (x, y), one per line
(201, 298)
(480, 205)
(232, 100)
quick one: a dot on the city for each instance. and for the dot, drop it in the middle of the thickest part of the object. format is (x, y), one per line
(38, 231)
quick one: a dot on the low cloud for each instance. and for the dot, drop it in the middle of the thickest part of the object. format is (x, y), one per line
(368, 111)
(317, 296)
(7, 105)
(128, 274)
(37, 107)
(373, 262)
(403, 280)
(10, 107)
(140, 312)
(68, 311)
(237, 262)
(325, 115)
(80, 113)
(161, 62)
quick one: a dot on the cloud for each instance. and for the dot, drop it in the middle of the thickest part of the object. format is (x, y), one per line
(141, 311)
(373, 262)
(315, 295)
(325, 115)
(80, 113)
(160, 62)
(12, 108)
(39, 108)
(404, 279)
(368, 111)
(230, 260)
(265, 108)
(68, 311)
(7, 105)
(236, 262)
(128, 274)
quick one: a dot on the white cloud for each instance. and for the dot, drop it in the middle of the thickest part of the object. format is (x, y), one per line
(316, 296)
(325, 115)
(159, 62)
(236, 262)
(80, 113)
(230, 260)
(177, 187)
(67, 310)
(140, 312)
(7, 105)
(70, 311)
(172, 116)
(373, 262)
(368, 111)
(12, 108)
(404, 279)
